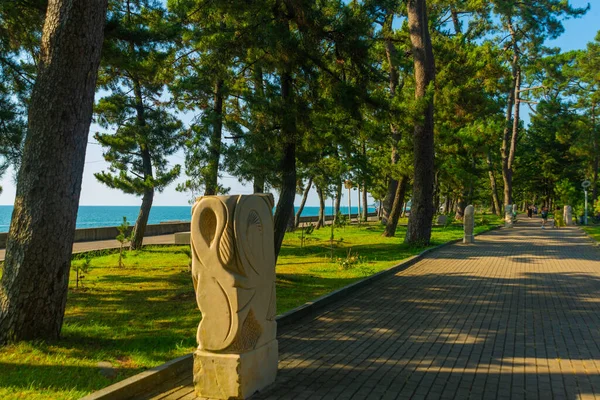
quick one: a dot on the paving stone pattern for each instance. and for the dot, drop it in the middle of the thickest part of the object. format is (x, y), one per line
(514, 316)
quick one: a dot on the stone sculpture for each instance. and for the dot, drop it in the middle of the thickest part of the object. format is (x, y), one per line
(441, 220)
(233, 270)
(508, 216)
(469, 224)
(568, 214)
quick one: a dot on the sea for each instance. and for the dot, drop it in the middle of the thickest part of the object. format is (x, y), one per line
(97, 216)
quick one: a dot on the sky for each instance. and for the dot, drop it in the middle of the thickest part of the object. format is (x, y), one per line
(577, 34)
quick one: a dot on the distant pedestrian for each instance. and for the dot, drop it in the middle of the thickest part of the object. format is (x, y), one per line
(559, 219)
(530, 211)
(544, 215)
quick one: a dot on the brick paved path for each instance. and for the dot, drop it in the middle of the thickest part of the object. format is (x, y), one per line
(517, 315)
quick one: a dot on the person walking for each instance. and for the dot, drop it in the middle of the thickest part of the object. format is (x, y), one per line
(544, 215)
(530, 211)
(559, 220)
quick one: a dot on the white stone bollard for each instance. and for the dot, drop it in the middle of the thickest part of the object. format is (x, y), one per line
(568, 215)
(233, 270)
(469, 224)
(508, 216)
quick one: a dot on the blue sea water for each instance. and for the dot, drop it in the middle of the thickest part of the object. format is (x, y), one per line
(96, 216)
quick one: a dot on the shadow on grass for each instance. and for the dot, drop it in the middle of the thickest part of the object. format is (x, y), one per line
(48, 379)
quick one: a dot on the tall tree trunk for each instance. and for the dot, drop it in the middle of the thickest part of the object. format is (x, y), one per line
(436, 193)
(507, 140)
(596, 163)
(321, 220)
(258, 184)
(259, 175)
(460, 206)
(212, 175)
(139, 229)
(359, 211)
(285, 206)
(495, 200)
(455, 20)
(447, 203)
(338, 201)
(394, 81)
(421, 213)
(33, 289)
(390, 227)
(365, 213)
(303, 202)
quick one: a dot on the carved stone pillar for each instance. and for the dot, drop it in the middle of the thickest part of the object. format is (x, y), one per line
(568, 214)
(508, 216)
(233, 270)
(469, 224)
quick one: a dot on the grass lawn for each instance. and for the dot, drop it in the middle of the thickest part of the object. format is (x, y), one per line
(145, 314)
(593, 231)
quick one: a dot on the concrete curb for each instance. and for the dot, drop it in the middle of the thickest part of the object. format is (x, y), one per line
(147, 380)
(141, 382)
(594, 241)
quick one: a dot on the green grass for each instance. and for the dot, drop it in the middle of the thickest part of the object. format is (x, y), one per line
(593, 231)
(145, 314)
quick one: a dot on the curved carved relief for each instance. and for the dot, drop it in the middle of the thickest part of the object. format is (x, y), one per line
(233, 268)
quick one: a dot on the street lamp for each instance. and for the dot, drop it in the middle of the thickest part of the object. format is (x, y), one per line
(585, 185)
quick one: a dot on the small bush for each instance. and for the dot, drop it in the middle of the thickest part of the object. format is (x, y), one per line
(350, 261)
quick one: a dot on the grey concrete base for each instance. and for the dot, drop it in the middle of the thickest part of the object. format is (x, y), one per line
(182, 237)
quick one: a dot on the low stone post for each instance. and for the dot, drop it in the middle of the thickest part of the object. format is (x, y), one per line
(469, 224)
(508, 216)
(568, 215)
(233, 270)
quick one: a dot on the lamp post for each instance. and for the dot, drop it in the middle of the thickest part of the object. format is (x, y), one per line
(585, 185)
(348, 186)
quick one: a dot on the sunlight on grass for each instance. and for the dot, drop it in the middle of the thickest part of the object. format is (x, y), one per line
(145, 314)
(593, 231)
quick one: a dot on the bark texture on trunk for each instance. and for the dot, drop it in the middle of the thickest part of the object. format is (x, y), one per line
(338, 201)
(509, 141)
(33, 289)
(212, 176)
(365, 213)
(303, 202)
(421, 213)
(496, 207)
(596, 162)
(321, 220)
(394, 84)
(390, 228)
(285, 205)
(139, 229)
(460, 207)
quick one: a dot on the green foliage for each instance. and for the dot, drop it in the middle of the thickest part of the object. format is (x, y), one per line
(341, 220)
(350, 261)
(123, 237)
(565, 191)
(81, 268)
(134, 71)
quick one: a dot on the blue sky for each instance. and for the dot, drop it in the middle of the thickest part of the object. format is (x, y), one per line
(577, 34)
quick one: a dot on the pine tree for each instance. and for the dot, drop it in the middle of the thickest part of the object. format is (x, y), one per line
(33, 288)
(134, 70)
